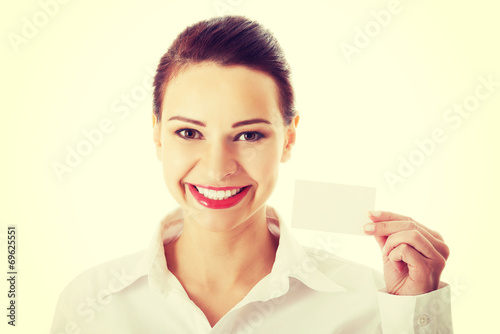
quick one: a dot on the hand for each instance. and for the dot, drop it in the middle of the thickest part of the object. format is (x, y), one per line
(413, 255)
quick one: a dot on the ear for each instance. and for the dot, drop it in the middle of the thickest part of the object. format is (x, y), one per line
(290, 137)
(157, 137)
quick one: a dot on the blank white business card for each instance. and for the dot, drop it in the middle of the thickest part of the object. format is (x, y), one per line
(331, 207)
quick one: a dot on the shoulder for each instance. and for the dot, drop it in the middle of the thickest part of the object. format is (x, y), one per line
(104, 279)
(347, 273)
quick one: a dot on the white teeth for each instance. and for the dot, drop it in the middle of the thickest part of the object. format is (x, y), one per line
(211, 194)
(218, 195)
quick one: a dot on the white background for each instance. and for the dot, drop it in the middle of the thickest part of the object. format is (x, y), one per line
(357, 118)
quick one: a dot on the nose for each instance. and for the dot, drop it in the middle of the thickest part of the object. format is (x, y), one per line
(219, 161)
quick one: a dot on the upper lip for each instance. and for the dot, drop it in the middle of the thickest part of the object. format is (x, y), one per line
(216, 188)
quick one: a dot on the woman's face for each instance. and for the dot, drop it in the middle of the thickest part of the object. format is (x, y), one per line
(221, 132)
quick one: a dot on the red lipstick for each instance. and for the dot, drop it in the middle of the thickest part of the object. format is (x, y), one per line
(218, 204)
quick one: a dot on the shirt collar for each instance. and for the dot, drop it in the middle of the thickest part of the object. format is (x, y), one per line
(291, 260)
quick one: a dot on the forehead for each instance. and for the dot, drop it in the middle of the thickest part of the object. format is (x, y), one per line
(207, 90)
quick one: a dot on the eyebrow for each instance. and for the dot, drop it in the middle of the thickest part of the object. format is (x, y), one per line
(235, 125)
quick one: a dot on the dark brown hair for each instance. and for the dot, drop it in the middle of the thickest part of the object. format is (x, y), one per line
(227, 40)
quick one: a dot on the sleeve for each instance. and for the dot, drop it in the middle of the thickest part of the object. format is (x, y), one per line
(63, 322)
(421, 314)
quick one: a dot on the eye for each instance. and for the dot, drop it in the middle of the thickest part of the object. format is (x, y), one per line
(250, 136)
(188, 133)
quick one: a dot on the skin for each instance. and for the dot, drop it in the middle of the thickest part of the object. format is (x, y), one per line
(414, 256)
(223, 253)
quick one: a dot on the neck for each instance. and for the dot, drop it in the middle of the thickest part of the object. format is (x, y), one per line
(223, 260)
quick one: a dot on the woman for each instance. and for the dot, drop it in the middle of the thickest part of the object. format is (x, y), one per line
(223, 262)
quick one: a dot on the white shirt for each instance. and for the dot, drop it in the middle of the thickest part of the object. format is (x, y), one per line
(306, 292)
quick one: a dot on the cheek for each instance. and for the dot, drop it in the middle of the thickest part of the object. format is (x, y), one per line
(261, 162)
(177, 161)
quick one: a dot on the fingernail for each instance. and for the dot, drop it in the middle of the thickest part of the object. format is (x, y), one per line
(369, 227)
(375, 213)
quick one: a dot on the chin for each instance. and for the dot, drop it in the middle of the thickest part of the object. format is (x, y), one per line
(214, 220)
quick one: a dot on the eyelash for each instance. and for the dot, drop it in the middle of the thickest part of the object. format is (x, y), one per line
(258, 134)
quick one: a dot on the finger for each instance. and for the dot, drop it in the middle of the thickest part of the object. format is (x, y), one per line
(386, 215)
(399, 265)
(387, 228)
(405, 255)
(380, 216)
(416, 263)
(413, 238)
(381, 241)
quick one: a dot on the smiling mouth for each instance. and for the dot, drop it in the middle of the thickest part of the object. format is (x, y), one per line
(218, 195)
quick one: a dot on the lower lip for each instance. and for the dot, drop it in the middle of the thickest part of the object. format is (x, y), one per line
(218, 204)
